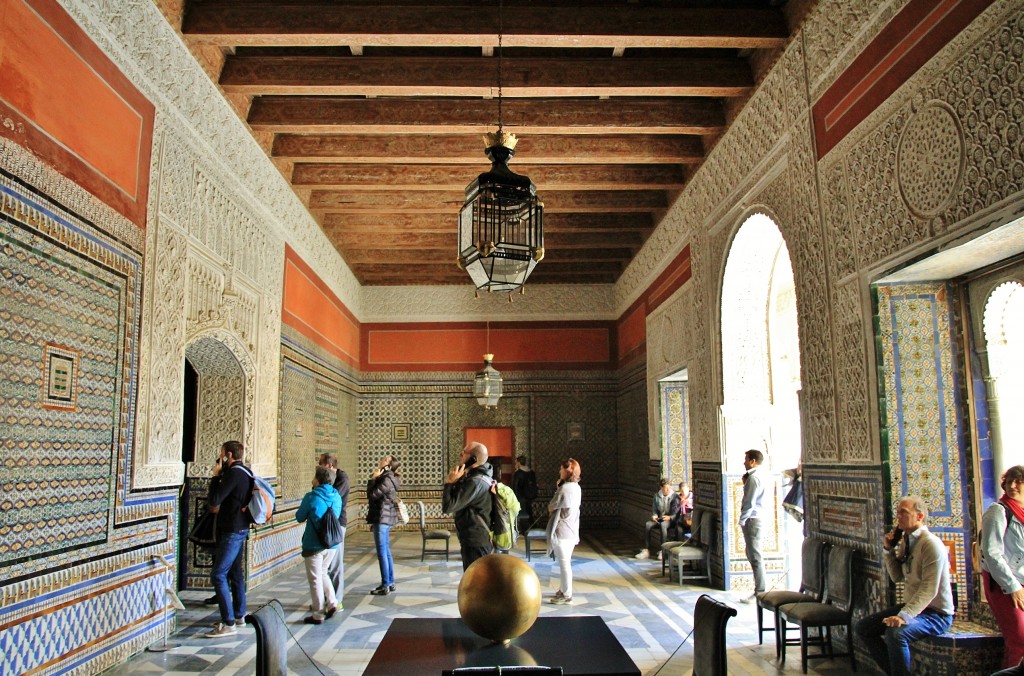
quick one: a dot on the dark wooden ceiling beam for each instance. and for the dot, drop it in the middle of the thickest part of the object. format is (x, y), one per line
(421, 241)
(469, 149)
(456, 177)
(398, 224)
(323, 201)
(523, 77)
(355, 256)
(542, 24)
(313, 114)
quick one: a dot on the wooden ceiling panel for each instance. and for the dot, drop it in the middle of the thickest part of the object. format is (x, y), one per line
(375, 113)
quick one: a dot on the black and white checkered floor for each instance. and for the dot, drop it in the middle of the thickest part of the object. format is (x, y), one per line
(650, 616)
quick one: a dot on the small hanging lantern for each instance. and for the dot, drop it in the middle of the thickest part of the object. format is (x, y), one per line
(487, 384)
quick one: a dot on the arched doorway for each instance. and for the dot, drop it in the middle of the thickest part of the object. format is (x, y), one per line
(760, 389)
(215, 393)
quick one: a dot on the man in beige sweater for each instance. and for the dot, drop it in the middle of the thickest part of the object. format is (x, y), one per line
(914, 556)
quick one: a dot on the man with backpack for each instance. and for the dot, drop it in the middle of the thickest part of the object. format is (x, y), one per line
(230, 490)
(524, 485)
(467, 496)
(336, 571)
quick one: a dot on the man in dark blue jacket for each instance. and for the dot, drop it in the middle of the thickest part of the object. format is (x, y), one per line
(230, 491)
(467, 495)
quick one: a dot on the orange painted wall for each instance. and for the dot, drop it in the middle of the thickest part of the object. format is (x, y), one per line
(64, 100)
(313, 310)
(461, 346)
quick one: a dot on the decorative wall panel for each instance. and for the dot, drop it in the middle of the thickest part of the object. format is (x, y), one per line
(927, 448)
(63, 282)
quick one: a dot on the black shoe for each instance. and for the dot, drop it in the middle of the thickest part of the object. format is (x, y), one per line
(212, 601)
(312, 620)
(392, 588)
(380, 591)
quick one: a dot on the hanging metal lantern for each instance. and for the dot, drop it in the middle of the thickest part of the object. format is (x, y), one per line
(487, 384)
(501, 225)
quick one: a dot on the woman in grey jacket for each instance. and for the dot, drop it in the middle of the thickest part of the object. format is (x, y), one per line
(1002, 563)
(382, 495)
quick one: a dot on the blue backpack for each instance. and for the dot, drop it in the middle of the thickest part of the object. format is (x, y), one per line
(261, 501)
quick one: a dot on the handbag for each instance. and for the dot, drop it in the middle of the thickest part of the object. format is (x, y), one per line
(330, 532)
(204, 530)
(403, 512)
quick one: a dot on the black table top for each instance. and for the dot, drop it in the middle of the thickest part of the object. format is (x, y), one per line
(580, 645)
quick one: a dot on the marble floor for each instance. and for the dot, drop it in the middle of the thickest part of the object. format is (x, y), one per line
(651, 617)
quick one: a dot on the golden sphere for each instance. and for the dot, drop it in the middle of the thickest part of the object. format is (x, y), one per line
(499, 597)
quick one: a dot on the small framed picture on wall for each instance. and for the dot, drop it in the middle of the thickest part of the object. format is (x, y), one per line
(575, 431)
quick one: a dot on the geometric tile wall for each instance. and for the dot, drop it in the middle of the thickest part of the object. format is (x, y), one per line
(926, 447)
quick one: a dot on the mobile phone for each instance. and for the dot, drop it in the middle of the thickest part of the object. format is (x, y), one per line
(471, 461)
(897, 535)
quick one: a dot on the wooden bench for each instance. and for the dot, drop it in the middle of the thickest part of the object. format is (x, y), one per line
(967, 649)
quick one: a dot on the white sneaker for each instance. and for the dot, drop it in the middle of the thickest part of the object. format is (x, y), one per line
(644, 554)
(748, 599)
(220, 629)
(659, 555)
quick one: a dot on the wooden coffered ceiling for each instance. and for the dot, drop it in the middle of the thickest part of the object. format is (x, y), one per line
(375, 112)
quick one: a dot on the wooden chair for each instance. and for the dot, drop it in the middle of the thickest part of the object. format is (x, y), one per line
(812, 588)
(709, 619)
(432, 534)
(835, 610)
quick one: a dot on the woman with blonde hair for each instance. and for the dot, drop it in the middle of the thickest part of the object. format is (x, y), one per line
(564, 526)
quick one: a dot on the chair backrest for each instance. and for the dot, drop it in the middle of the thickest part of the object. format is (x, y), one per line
(695, 524)
(423, 516)
(271, 639)
(812, 580)
(707, 530)
(709, 619)
(839, 578)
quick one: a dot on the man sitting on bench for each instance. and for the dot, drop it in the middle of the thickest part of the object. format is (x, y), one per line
(664, 509)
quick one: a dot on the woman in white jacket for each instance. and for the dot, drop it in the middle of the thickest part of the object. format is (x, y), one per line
(564, 526)
(1002, 560)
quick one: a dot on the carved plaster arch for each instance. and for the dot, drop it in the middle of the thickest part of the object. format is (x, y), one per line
(755, 262)
(209, 351)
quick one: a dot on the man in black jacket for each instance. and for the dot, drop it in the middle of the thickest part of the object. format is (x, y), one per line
(336, 571)
(467, 495)
(230, 490)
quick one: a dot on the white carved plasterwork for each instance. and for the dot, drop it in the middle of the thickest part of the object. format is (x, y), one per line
(217, 354)
(972, 86)
(837, 31)
(459, 303)
(930, 159)
(152, 55)
(752, 141)
(856, 440)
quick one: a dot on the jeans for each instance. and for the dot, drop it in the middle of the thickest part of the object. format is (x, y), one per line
(336, 571)
(321, 591)
(890, 646)
(563, 555)
(228, 575)
(752, 544)
(382, 540)
(664, 525)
